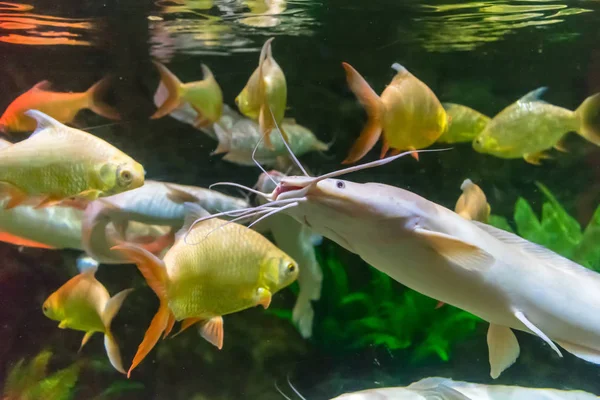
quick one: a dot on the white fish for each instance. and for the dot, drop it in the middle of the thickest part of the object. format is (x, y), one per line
(298, 241)
(436, 388)
(156, 204)
(495, 275)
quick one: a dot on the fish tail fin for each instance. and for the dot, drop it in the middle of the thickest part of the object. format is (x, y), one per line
(153, 270)
(588, 114)
(110, 344)
(374, 109)
(174, 86)
(96, 102)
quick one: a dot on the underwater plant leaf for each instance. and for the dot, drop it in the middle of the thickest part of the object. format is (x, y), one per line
(15, 380)
(25, 376)
(587, 252)
(119, 388)
(357, 299)
(500, 222)
(381, 340)
(382, 286)
(58, 386)
(528, 224)
(568, 224)
(366, 325)
(558, 238)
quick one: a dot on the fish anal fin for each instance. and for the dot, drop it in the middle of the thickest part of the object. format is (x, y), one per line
(49, 201)
(384, 148)
(186, 324)
(503, 349)
(561, 146)
(365, 142)
(170, 324)
(224, 138)
(193, 212)
(85, 339)
(585, 353)
(414, 154)
(212, 331)
(90, 194)
(521, 317)
(16, 196)
(458, 252)
(179, 196)
(157, 327)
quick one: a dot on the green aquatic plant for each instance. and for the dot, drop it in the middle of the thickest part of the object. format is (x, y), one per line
(30, 381)
(556, 229)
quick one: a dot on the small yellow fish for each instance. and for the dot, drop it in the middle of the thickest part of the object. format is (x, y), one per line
(58, 162)
(218, 268)
(530, 126)
(265, 92)
(84, 304)
(204, 96)
(61, 106)
(465, 124)
(408, 113)
(472, 204)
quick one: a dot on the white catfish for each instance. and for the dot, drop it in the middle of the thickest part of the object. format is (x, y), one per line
(493, 274)
(438, 388)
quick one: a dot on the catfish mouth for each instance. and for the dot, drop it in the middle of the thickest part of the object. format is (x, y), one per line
(286, 188)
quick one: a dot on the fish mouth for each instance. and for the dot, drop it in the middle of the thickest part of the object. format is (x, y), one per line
(285, 189)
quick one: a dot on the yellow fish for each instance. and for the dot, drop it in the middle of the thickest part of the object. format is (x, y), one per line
(58, 162)
(472, 203)
(530, 126)
(408, 113)
(465, 124)
(218, 268)
(61, 106)
(204, 96)
(84, 304)
(265, 92)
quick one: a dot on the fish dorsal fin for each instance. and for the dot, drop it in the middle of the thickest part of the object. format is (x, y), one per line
(525, 245)
(193, 211)
(44, 122)
(436, 388)
(179, 196)
(43, 85)
(534, 95)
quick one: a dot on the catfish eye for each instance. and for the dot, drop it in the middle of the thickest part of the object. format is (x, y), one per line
(340, 184)
(291, 267)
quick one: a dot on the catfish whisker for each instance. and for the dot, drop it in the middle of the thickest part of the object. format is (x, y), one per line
(293, 388)
(275, 211)
(281, 392)
(287, 146)
(256, 161)
(250, 215)
(259, 193)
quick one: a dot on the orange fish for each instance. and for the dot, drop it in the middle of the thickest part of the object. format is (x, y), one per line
(59, 105)
(408, 113)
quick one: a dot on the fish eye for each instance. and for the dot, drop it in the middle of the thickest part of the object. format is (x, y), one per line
(125, 177)
(340, 184)
(291, 267)
(45, 308)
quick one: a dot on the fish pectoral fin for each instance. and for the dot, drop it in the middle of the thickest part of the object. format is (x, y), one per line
(455, 250)
(90, 194)
(585, 353)
(212, 331)
(63, 324)
(561, 146)
(521, 317)
(535, 158)
(263, 297)
(503, 349)
(86, 338)
(179, 196)
(16, 196)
